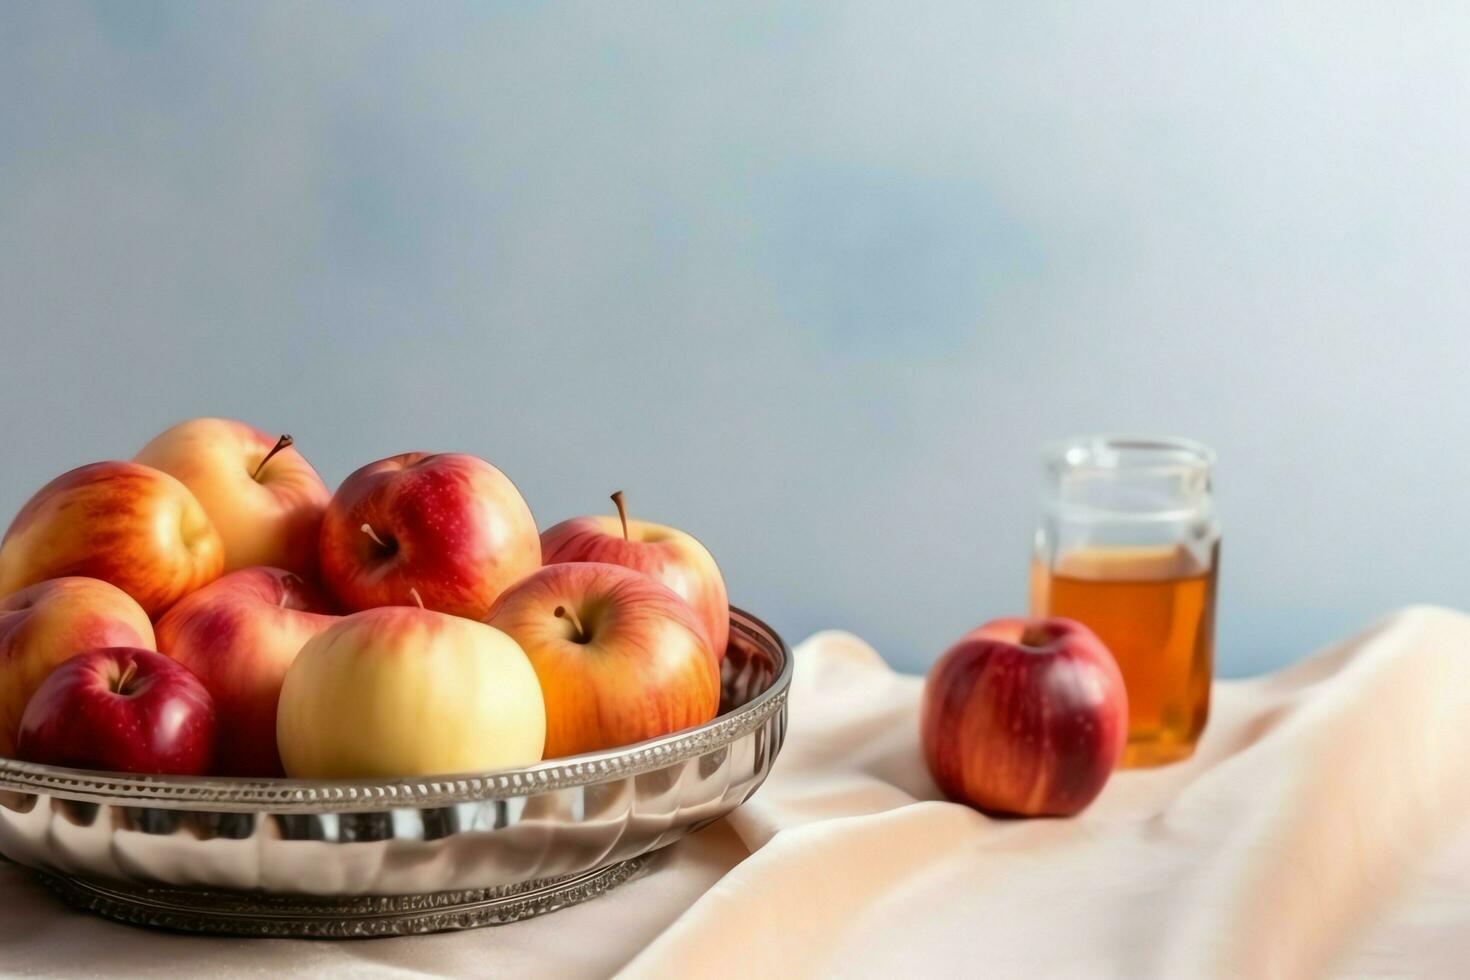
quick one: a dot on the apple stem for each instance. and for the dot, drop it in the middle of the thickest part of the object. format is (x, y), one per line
(580, 635)
(281, 443)
(416, 597)
(368, 530)
(617, 498)
(127, 676)
(1034, 636)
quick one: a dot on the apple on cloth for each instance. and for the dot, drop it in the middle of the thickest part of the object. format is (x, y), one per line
(123, 709)
(665, 554)
(620, 657)
(447, 526)
(1025, 717)
(122, 522)
(261, 494)
(45, 624)
(239, 635)
(406, 691)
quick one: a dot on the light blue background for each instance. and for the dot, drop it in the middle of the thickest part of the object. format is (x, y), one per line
(811, 280)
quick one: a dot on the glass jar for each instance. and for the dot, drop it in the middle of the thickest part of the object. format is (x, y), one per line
(1128, 544)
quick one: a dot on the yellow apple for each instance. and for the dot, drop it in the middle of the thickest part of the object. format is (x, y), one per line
(405, 691)
(262, 495)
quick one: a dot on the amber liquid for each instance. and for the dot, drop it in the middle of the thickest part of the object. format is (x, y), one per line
(1154, 607)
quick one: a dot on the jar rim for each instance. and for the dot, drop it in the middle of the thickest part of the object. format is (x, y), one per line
(1128, 453)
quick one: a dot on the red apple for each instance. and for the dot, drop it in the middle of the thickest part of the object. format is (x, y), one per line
(262, 496)
(53, 621)
(447, 530)
(620, 657)
(664, 554)
(120, 708)
(1025, 717)
(239, 635)
(122, 522)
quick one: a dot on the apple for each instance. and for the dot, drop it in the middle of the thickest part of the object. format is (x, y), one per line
(405, 691)
(120, 708)
(50, 622)
(122, 522)
(620, 657)
(448, 526)
(1025, 717)
(664, 554)
(262, 495)
(238, 635)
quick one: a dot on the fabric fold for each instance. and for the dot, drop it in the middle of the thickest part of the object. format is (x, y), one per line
(1316, 796)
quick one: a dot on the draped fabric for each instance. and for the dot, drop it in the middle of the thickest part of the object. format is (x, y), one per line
(1322, 828)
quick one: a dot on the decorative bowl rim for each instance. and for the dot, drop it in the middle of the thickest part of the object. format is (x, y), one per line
(234, 794)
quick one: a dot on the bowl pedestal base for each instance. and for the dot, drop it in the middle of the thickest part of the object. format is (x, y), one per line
(335, 917)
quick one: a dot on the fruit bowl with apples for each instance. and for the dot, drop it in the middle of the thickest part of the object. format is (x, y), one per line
(234, 701)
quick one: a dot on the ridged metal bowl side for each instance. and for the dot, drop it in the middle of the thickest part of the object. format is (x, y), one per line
(488, 835)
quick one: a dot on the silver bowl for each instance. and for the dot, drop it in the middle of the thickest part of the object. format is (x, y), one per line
(348, 858)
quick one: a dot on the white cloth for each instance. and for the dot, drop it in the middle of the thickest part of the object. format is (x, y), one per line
(1322, 827)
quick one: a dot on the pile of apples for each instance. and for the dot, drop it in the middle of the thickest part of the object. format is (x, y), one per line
(210, 607)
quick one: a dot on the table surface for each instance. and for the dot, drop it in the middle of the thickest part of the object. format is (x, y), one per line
(1322, 827)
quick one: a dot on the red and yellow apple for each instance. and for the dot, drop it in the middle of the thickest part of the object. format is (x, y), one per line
(447, 530)
(121, 709)
(1025, 718)
(620, 657)
(404, 691)
(239, 635)
(664, 554)
(122, 522)
(262, 496)
(50, 622)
